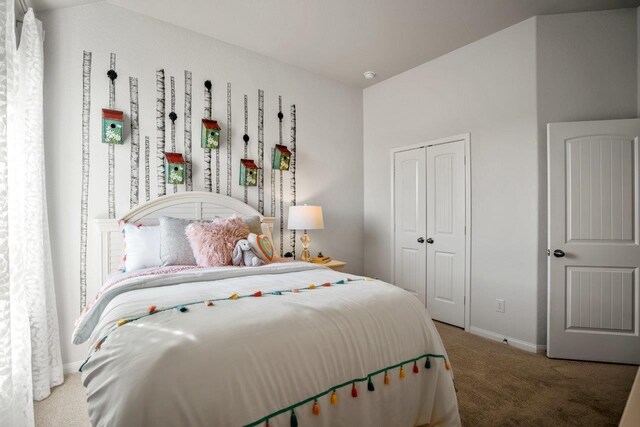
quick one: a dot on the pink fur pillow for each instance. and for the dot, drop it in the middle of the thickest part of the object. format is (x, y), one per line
(212, 243)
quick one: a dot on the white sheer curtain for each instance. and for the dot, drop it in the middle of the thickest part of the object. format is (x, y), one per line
(30, 361)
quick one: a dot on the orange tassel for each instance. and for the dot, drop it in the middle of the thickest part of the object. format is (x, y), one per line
(401, 372)
(316, 408)
(447, 365)
(354, 390)
(234, 296)
(312, 286)
(257, 294)
(386, 377)
(152, 309)
(334, 398)
(209, 303)
(415, 368)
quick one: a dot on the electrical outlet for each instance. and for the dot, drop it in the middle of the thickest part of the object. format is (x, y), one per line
(499, 305)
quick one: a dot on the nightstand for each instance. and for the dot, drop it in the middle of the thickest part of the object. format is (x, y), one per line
(335, 265)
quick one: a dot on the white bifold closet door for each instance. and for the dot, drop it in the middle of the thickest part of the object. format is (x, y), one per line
(410, 221)
(429, 238)
(594, 241)
(446, 232)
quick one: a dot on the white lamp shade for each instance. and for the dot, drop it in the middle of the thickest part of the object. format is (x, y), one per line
(305, 218)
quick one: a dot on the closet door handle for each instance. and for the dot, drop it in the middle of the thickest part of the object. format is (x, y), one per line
(430, 241)
(420, 239)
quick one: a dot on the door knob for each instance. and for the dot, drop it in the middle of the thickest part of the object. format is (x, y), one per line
(558, 253)
(430, 240)
(421, 240)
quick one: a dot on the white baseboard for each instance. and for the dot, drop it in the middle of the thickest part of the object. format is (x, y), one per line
(513, 342)
(71, 368)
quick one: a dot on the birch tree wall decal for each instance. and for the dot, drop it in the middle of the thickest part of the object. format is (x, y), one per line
(273, 171)
(112, 148)
(147, 170)
(135, 142)
(160, 131)
(84, 200)
(173, 116)
(208, 88)
(292, 168)
(261, 151)
(245, 138)
(187, 132)
(229, 139)
(281, 222)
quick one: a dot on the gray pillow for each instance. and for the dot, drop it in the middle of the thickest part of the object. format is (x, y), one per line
(254, 224)
(174, 245)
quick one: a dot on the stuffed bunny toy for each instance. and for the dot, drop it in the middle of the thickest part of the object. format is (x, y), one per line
(243, 255)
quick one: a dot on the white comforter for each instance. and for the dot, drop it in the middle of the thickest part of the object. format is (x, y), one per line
(241, 360)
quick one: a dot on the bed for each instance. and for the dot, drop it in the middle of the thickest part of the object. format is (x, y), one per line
(284, 344)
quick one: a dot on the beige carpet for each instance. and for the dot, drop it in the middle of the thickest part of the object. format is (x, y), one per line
(497, 386)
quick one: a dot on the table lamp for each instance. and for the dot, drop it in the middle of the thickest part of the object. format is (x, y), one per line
(305, 218)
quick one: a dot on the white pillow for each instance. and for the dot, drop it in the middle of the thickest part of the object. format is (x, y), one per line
(142, 247)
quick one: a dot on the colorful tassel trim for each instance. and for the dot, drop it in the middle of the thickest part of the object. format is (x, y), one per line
(152, 309)
(182, 309)
(234, 296)
(311, 286)
(333, 399)
(257, 294)
(209, 304)
(415, 368)
(427, 364)
(447, 365)
(122, 322)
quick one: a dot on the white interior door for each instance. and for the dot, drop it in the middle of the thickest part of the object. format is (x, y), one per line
(446, 232)
(593, 239)
(410, 220)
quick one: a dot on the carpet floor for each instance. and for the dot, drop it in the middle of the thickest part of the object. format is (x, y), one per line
(497, 386)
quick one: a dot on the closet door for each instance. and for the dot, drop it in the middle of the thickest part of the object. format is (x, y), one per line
(446, 232)
(410, 220)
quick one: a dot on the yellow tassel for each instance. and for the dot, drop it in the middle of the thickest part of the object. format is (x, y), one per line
(122, 322)
(234, 296)
(401, 371)
(447, 365)
(316, 408)
(334, 398)
(312, 286)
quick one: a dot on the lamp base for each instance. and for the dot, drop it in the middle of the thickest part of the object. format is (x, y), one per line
(306, 241)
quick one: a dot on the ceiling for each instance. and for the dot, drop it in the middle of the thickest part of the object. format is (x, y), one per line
(341, 39)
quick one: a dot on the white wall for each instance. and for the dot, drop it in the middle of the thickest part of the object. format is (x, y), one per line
(502, 89)
(487, 88)
(330, 168)
(587, 70)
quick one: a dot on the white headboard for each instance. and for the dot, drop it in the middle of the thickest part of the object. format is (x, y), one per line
(198, 205)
